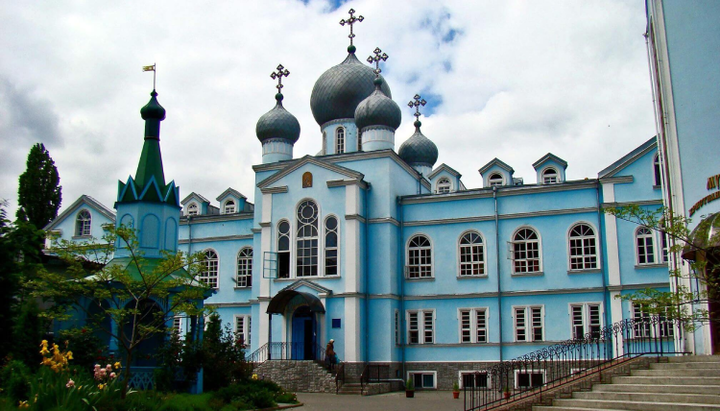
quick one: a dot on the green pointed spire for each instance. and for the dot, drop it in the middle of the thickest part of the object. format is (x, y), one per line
(150, 164)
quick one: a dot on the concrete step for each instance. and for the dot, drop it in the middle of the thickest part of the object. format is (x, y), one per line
(695, 358)
(558, 408)
(350, 389)
(680, 372)
(704, 365)
(659, 380)
(649, 397)
(660, 388)
(634, 405)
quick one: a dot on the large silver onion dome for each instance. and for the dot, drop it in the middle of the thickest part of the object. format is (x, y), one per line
(418, 149)
(339, 90)
(378, 110)
(278, 123)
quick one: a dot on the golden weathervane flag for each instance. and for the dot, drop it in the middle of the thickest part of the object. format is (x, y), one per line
(149, 68)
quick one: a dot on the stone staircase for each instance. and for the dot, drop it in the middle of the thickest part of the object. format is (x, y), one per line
(690, 383)
(297, 376)
(373, 388)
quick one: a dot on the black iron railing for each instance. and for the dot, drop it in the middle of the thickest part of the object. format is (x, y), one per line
(374, 373)
(288, 351)
(562, 363)
(339, 376)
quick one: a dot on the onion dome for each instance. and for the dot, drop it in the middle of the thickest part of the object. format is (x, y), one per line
(378, 110)
(278, 123)
(418, 149)
(340, 89)
(153, 110)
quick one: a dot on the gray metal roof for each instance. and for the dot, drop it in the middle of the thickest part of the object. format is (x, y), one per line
(378, 110)
(418, 149)
(278, 123)
(340, 89)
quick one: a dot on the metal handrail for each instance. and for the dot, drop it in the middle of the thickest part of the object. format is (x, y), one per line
(288, 351)
(367, 374)
(549, 367)
(339, 376)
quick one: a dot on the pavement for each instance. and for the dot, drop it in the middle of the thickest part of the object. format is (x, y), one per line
(396, 401)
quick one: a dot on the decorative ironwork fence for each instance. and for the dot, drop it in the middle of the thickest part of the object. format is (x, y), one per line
(561, 363)
(296, 351)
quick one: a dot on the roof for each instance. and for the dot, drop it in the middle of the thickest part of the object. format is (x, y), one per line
(84, 199)
(195, 195)
(549, 157)
(628, 158)
(444, 167)
(291, 167)
(499, 163)
(229, 191)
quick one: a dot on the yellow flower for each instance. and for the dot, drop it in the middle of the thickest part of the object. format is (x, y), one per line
(23, 404)
(101, 386)
(69, 355)
(117, 365)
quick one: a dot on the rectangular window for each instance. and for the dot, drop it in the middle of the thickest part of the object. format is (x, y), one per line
(529, 379)
(528, 323)
(423, 380)
(474, 379)
(421, 326)
(242, 329)
(397, 327)
(473, 325)
(644, 326)
(585, 319)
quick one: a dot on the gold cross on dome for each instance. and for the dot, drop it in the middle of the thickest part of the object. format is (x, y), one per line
(416, 102)
(352, 20)
(279, 74)
(376, 60)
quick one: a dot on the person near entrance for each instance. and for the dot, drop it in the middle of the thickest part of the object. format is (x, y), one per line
(330, 356)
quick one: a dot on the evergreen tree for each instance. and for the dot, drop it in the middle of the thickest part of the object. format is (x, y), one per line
(39, 190)
(9, 282)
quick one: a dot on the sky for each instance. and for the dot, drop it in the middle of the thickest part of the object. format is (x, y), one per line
(508, 79)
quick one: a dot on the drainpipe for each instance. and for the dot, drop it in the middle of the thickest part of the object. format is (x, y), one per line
(497, 269)
(367, 272)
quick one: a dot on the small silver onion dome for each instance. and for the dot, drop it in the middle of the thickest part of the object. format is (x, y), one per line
(278, 123)
(340, 89)
(418, 149)
(378, 110)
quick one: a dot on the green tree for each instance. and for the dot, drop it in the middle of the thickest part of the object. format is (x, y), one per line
(9, 280)
(39, 190)
(125, 292)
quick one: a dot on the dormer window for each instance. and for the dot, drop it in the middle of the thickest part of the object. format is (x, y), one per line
(495, 180)
(192, 209)
(229, 207)
(82, 223)
(550, 176)
(443, 186)
(340, 140)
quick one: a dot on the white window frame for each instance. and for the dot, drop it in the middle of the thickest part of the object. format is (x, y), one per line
(550, 179)
(516, 381)
(325, 248)
(340, 140)
(295, 263)
(443, 186)
(246, 332)
(472, 264)
(83, 223)
(227, 210)
(656, 171)
(410, 374)
(461, 380)
(646, 236)
(209, 276)
(528, 327)
(193, 209)
(585, 317)
(473, 326)
(421, 326)
(424, 270)
(582, 256)
(667, 329)
(178, 325)
(290, 247)
(512, 251)
(244, 270)
(493, 180)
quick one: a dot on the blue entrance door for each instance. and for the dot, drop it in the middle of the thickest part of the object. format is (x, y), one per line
(304, 331)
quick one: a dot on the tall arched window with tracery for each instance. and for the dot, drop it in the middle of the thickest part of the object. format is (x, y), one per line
(340, 140)
(307, 239)
(283, 249)
(472, 255)
(244, 267)
(526, 251)
(419, 257)
(583, 248)
(209, 274)
(83, 223)
(331, 246)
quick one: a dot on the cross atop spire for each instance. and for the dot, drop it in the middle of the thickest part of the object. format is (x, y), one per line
(279, 74)
(352, 20)
(376, 59)
(416, 102)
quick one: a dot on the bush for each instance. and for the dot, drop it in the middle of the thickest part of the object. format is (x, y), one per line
(84, 344)
(15, 381)
(224, 356)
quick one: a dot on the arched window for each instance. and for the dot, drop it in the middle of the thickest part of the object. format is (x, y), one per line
(192, 209)
(583, 248)
(472, 255)
(495, 180)
(229, 207)
(244, 267)
(331, 246)
(645, 246)
(443, 186)
(340, 140)
(82, 223)
(307, 239)
(283, 249)
(419, 257)
(209, 275)
(324, 143)
(550, 176)
(526, 251)
(656, 170)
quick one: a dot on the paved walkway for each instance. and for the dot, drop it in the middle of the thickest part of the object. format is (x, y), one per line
(396, 401)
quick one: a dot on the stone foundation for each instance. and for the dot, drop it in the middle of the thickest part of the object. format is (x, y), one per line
(297, 376)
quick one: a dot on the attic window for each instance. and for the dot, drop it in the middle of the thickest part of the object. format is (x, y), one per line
(82, 223)
(229, 207)
(495, 180)
(443, 186)
(192, 209)
(550, 176)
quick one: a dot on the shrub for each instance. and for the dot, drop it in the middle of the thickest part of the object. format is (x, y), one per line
(224, 356)
(14, 379)
(84, 344)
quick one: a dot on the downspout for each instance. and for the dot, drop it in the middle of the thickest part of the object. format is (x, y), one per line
(606, 292)
(497, 269)
(366, 272)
